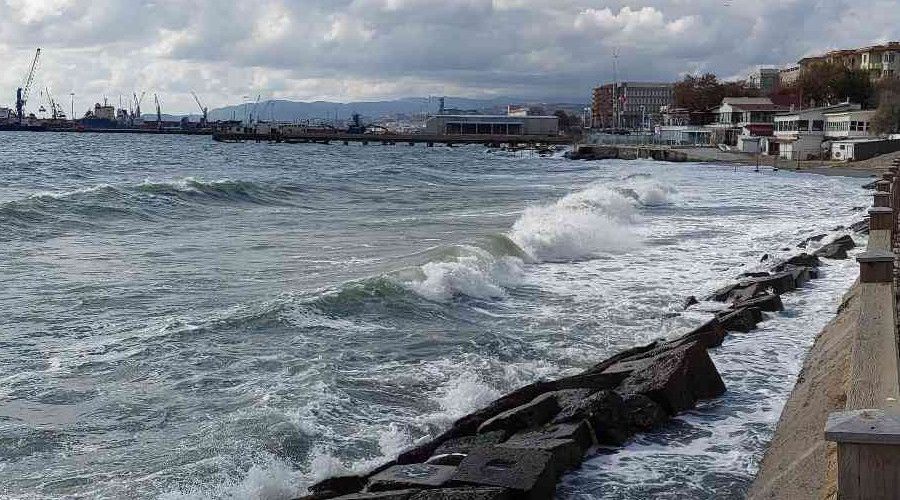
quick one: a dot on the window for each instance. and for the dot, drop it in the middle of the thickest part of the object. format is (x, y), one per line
(803, 125)
(817, 125)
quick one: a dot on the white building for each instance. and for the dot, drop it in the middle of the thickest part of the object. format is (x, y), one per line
(492, 125)
(849, 124)
(798, 135)
(861, 149)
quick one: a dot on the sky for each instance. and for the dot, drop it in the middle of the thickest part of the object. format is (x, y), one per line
(351, 50)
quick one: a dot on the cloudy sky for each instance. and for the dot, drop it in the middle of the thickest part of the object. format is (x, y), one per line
(346, 50)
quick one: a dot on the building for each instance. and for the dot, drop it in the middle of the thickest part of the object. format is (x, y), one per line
(800, 134)
(7, 114)
(850, 124)
(631, 105)
(765, 79)
(879, 61)
(744, 116)
(104, 112)
(789, 75)
(492, 125)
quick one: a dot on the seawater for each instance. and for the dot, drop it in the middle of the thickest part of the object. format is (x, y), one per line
(188, 319)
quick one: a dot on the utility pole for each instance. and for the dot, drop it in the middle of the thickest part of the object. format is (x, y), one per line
(616, 87)
(72, 95)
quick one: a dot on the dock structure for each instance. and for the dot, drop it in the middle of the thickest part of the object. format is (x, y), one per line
(391, 138)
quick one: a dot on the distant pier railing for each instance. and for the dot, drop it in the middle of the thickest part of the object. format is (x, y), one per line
(389, 138)
(867, 432)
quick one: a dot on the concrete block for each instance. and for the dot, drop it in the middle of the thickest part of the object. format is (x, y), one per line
(535, 413)
(381, 495)
(411, 476)
(579, 431)
(531, 474)
(464, 493)
(465, 444)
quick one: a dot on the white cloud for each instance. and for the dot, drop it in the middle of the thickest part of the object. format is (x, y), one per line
(372, 49)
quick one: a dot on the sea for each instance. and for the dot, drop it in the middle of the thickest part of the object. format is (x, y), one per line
(186, 319)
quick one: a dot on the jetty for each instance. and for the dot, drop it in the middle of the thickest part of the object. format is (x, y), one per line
(388, 138)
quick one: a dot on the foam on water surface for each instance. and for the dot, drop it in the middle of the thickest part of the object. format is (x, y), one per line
(241, 321)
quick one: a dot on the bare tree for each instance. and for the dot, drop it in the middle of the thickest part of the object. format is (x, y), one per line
(887, 115)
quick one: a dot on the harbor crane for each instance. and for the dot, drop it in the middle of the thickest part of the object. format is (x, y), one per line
(23, 91)
(158, 113)
(203, 109)
(56, 110)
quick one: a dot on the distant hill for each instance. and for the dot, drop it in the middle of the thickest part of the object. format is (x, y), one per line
(282, 110)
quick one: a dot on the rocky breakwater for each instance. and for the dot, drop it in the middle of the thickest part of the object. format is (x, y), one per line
(519, 445)
(625, 152)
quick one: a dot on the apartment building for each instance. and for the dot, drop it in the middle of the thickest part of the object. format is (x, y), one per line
(631, 105)
(880, 61)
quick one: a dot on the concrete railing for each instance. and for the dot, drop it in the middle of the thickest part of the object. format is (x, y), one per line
(867, 433)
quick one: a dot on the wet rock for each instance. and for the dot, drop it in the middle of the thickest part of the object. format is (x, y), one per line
(340, 485)
(860, 227)
(754, 274)
(463, 493)
(676, 379)
(837, 249)
(535, 413)
(801, 274)
(710, 334)
(688, 302)
(740, 320)
(588, 380)
(811, 239)
(642, 413)
(381, 495)
(604, 412)
(802, 260)
(325, 495)
(577, 431)
(870, 185)
(626, 354)
(529, 473)
(469, 424)
(401, 477)
(446, 459)
(465, 444)
(781, 282)
(769, 302)
(764, 258)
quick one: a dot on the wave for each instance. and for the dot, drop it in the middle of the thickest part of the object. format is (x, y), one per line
(53, 213)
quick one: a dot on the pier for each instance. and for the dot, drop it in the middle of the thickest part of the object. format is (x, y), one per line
(391, 138)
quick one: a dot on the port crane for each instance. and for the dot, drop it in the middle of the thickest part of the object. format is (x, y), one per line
(56, 111)
(158, 113)
(23, 91)
(203, 109)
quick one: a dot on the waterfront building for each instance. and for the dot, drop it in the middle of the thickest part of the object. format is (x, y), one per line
(787, 76)
(862, 149)
(744, 116)
(850, 124)
(798, 134)
(631, 105)
(492, 125)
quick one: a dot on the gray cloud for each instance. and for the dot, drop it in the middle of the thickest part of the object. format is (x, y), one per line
(373, 49)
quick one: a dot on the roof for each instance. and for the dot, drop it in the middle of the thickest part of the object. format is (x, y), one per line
(834, 108)
(494, 117)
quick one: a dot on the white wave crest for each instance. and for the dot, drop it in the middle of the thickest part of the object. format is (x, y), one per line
(578, 226)
(474, 272)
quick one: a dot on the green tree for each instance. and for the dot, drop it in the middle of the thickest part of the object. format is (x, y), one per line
(704, 92)
(887, 116)
(823, 84)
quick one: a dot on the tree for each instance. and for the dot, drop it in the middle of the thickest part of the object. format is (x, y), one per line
(823, 84)
(701, 93)
(887, 116)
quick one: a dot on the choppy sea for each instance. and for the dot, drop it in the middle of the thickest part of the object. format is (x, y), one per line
(188, 319)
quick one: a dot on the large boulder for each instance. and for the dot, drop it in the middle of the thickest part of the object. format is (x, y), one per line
(768, 302)
(837, 249)
(743, 319)
(464, 493)
(340, 485)
(401, 477)
(710, 334)
(535, 413)
(530, 473)
(465, 444)
(381, 495)
(811, 239)
(642, 413)
(604, 411)
(802, 260)
(676, 379)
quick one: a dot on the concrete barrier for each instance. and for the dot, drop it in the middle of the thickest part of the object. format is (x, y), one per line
(867, 432)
